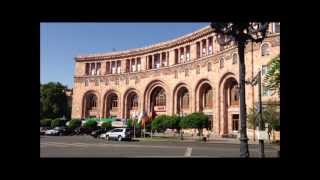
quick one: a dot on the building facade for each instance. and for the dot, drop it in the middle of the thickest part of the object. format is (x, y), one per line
(192, 73)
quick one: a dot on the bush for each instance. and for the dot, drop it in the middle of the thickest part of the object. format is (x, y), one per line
(90, 124)
(56, 122)
(45, 122)
(74, 123)
(130, 123)
(195, 120)
(160, 123)
(106, 125)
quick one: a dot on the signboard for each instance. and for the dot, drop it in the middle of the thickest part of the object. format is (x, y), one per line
(160, 108)
(262, 135)
(117, 124)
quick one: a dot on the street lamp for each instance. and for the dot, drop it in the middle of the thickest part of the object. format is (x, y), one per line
(257, 81)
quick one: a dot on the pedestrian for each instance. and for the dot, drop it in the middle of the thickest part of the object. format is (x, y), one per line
(269, 133)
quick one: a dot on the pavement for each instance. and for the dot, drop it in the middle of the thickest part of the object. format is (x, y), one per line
(87, 146)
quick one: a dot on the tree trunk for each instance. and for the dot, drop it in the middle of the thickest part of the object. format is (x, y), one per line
(244, 150)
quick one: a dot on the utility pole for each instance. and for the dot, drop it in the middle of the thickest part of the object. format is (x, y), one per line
(261, 141)
(257, 80)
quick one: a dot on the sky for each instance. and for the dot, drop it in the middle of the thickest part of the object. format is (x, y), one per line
(60, 43)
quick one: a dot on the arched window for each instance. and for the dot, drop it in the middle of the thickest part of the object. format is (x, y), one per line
(208, 98)
(185, 100)
(234, 58)
(209, 66)
(265, 49)
(161, 98)
(234, 95)
(134, 102)
(92, 101)
(221, 63)
(114, 101)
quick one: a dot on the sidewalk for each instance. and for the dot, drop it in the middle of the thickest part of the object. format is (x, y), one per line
(196, 139)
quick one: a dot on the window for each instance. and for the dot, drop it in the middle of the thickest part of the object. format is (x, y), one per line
(198, 49)
(234, 58)
(118, 67)
(127, 65)
(234, 95)
(264, 69)
(161, 98)
(198, 69)
(114, 101)
(185, 100)
(133, 65)
(113, 64)
(96, 82)
(188, 53)
(221, 63)
(108, 68)
(176, 58)
(92, 68)
(265, 49)
(87, 68)
(209, 66)
(210, 45)
(265, 91)
(98, 69)
(208, 98)
(157, 61)
(139, 64)
(276, 28)
(235, 122)
(134, 102)
(182, 54)
(92, 101)
(204, 47)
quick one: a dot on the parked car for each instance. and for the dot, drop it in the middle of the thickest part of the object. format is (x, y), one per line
(98, 132)
(118, 134)
(57, 131)
(43, 130)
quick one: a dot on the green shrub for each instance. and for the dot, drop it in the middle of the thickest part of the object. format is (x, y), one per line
(56, 122)
(45, 122)
(90, 124)
(74, 123)
(195, 120)
(160, 123)
(106, 125)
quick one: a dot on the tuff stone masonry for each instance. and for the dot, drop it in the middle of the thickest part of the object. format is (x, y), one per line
(192, 73)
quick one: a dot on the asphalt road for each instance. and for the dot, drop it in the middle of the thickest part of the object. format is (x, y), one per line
(87, 146)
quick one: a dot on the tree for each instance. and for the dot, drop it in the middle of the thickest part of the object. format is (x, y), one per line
(160, 123)
(241, 33)
(270, 115)
(196, 120)
(272, 78)
(53, 100)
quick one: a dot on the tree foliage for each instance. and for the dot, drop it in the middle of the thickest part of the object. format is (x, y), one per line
(272, 78)
(196, 120)
(74, 123)
(160, 123)
(270, 115)
(53, 101)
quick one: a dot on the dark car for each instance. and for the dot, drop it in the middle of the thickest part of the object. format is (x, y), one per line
(98, 132)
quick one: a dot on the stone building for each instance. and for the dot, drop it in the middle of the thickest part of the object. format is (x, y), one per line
(192, 73)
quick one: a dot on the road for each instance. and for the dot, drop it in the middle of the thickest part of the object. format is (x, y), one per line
(87, 146)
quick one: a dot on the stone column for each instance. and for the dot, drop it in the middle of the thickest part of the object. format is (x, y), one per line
(160, 57)
(200, 48)
(136, 63)
(153, 57)
(167, 58)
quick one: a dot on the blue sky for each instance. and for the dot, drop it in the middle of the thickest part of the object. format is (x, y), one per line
(61, 42)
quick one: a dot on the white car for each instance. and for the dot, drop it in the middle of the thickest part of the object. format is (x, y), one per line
(118, 134)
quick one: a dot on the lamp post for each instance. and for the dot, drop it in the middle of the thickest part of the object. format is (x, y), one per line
(257, 81)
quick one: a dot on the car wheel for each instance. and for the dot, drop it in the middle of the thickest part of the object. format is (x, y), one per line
(119, 138)
(107, 138)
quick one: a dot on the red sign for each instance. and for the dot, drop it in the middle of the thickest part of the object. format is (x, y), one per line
(159, 108)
